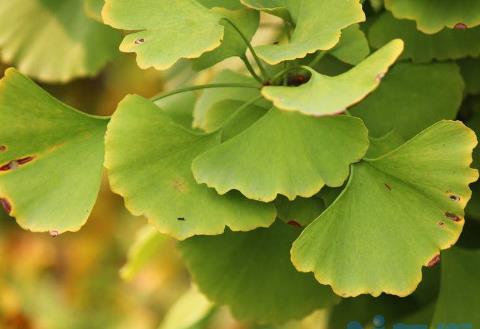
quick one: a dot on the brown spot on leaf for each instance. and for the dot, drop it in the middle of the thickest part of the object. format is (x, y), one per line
(380, 76)
(453, 217)
(181, 219)
(25, 160)
(180, 185)
(12, 165)
(460, 26)
(434, 261)
(454, 197)
(6, 206)
(297, 80)
(3, 148)
(294, 223)
(388, 187)
(139, 41)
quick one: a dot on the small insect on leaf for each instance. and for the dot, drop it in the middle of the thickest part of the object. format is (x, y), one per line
(453, 217)
(139, 41)
(181, 219)
(294, 223)
(6, 206)
(460, 26)
(434, 261)
(54, 234)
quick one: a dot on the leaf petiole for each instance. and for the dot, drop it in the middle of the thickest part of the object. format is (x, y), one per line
(254, 54)
(201, 87)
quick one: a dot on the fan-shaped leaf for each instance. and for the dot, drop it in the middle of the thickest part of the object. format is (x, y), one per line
(50, 160)
(167, 31)
(433, 16)
(156, 180)
(284, 153)
(458, 301)
(251, 272)
(422, 48)
(307, 16)
(325, 95)
(411, 98)
(394, 216)
(54, 40)
(353, 45)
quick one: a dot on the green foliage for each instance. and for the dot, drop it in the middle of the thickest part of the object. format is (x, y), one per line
(324, 158)
(54, 40)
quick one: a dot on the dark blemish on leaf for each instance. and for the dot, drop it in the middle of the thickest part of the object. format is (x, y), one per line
(139, 41)
(276, 43)
(54, 234)
(297, 80)
(460, 26)
(435, 260)
(453, 217)
(181, 219)
(294, 223)
(388, 187)
(441, 224)
(3, 148)
(12, 165)
(454, 197)
(6, 206)
(25, 160)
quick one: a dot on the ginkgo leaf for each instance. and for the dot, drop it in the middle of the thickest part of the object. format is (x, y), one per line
(470, 68)
(179, 107)
(148, 244)
(325, 95)
(233, 45)
(395, 215)
(156, 180)
(433, 16)
(423, 48)
(189, 311)
(459, 283)
(207, 115)
(307, 16)
(411, 98)
(169, 31)
(284, 153)
(353, 45)
(51, 158)
(54, 41)
(251, 272)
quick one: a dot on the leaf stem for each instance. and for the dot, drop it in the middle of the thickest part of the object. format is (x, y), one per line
(200, 87)
(254, 54)
(250, 69)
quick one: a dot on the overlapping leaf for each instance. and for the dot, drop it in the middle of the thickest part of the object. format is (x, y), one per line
(284, 153)
(422, 48)
(51, 158)
(93, 8)
(433, 16)
(307, 16)
(232, 45)
(325, 95)
(470, 68)
(156, 179)
(411, 98)
(458, 301)
(251, 272)
(353, 45)
(395, 215)
(54, 41)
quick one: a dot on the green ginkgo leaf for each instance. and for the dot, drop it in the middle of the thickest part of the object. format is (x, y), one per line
(208, 115)
(168, 31)
(284, 153)
(353, 45)
(156, 180)
(325, 95)
(411, 98)
(233, 45)
(51, 158)
(458, 301)
(307, 16)
(189, 311)
(252, 273)
(54, 41)
(470, 68)
(395, 215)
(433, 16)
(423, 48)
